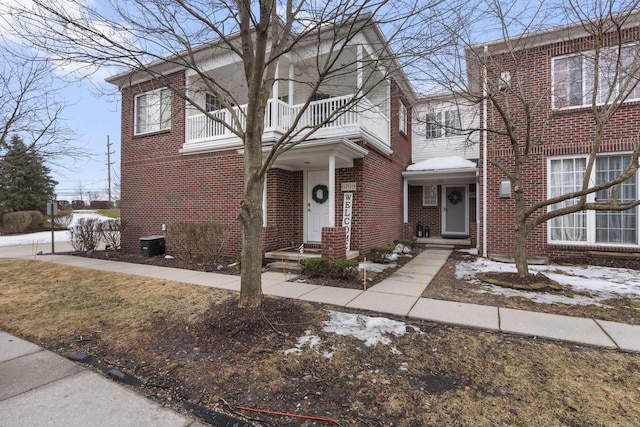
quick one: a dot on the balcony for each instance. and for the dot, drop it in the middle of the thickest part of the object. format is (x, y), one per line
(362, 120)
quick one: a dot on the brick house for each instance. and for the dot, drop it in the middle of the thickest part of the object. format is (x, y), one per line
(555, 68)
(441, 183)
(177, 164)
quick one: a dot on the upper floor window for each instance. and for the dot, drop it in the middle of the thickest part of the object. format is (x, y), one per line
(443, 124)
(153, 111)
(434, 128)
(212, 103)
(452, 123)
(574, 77)
(402, 116)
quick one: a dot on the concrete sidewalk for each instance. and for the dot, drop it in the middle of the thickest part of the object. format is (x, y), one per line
(38, 387)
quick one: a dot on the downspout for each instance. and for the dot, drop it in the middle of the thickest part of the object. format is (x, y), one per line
(484, 152)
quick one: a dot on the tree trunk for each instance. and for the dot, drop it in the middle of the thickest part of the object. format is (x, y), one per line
(520, 250)
(251, 261)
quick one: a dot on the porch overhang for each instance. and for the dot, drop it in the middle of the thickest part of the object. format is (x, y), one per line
(315, 154)
(441, 176)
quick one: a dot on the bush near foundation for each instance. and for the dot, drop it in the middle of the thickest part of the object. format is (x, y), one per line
(339, 268)
(112, 232)
(410, 243)
(202, 241)
(380, 253)
(314, 267)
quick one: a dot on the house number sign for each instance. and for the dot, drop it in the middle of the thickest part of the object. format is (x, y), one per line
(348, 186)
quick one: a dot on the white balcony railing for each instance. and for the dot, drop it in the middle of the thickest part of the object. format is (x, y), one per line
(280, 117)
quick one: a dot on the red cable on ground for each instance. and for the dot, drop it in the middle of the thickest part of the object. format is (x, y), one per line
(284, 414)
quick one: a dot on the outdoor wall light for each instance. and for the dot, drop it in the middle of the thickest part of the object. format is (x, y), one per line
(505, 189)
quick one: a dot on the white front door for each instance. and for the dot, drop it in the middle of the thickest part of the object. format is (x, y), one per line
(317, 209)
(455, 215)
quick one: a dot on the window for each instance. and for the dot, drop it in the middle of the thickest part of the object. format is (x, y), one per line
(611, 226)
(593, 227)
(574, 77)
(443, 124)
(402, 116)
(153, 111)
(212, 103)
(430, 195)
(452, 123)
(434, 128)
(565, 176)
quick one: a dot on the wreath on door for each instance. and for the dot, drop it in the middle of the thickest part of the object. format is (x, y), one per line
(454, 197)
(320, 188)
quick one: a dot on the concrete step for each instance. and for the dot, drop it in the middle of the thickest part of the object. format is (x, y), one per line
(289, 266)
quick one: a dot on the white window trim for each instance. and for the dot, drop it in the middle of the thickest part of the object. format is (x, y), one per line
(585, 98)
(135, 112)
(402, 116)
(591, 214)
(433, 193)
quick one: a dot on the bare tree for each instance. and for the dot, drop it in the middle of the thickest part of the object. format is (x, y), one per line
(140, 35)
(31, 107)
(498, 78)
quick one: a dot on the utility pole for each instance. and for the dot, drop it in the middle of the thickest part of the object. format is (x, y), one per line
(109, 163)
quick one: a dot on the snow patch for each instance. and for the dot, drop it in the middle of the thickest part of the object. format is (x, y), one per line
(600, 282)
(439, 163)
(371, 330)
(375, 266)
(306, 339)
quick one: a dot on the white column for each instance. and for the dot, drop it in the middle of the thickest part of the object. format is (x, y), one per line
(359, 71)
(405, 202)
(292, 76)
(332, 190)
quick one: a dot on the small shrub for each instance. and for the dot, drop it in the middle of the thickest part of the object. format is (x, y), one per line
(36, 221)
(77, 204)
(410, 243)
(111, 232)
(16, 222)
(344, 268)
(85, 235)
(63, 219)
(380, 253)
(100, 204)
(64, 205)
(314, 267)
(206, 241)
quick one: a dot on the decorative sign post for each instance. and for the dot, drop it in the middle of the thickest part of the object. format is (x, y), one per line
(52, 211)
(347, 207)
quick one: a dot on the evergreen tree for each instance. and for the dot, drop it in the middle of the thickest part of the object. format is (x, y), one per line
(25, 183)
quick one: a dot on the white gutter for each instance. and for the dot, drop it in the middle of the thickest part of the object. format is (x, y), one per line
(484, 152)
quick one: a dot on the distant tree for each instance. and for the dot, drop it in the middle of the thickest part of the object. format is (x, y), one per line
(25, 183)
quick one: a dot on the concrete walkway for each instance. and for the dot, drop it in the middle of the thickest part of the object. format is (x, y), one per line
(40, 388)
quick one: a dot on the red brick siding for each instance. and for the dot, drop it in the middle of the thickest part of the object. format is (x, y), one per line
(284, 209)
(334, 241)
(567, 132)
(162, 186)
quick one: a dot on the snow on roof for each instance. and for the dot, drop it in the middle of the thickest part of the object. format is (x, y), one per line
(438, 163)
